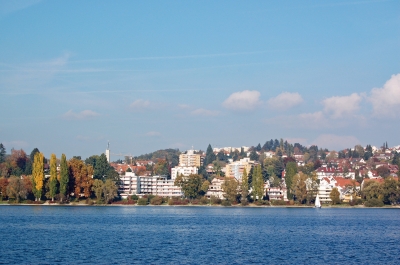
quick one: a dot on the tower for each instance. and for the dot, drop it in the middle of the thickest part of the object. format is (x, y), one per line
(108, 152)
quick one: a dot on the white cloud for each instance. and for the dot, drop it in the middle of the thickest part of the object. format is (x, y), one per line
(335, 142)
(153, 133)
(386, 100)
(338, 107)
(140, 104)
(285, 100)
(204, 112)
(83, 115)
(243, 101)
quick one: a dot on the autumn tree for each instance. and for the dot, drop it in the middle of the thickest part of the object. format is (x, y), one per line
(204, 187)
(110, 190)
(16, 189)
(230, 187)
(53, 177)
(18, 161)
(28, 168)
(299, 187)
(3, 187)
(64, 177)
(258, 183)
(38, 176)
(81, 174)
(161, 167)
(245, 187)
(190, 185)
(335, 196)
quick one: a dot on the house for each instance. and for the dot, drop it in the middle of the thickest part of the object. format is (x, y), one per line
(215, 188)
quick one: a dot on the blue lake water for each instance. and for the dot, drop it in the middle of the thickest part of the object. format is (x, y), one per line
(198, 235)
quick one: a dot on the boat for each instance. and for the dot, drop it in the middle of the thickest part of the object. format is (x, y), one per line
(317, 202)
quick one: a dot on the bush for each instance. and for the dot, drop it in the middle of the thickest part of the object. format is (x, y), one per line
(134, 197)
(88, 201)
(125, 202)
(373, 203)
(215, 200)
(291, 202)
(157, 200)
(226, 203)
(261, 203)
(195, 202)
(278, 202)
(178, 201)
(142, 201)
(204, 200)
(356, 202)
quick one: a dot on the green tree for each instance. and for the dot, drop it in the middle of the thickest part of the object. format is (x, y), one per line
(190, 185)
(97, 188)
(258, 183)
(64, 177)
(161, 167)
(53, 177)
(291, 171)
(38, 176)
(391, 191)
(204, 186)
(210, 156)
(28, 168)
(245, 187)
(16, 189)
(2, 153)
(335, 196)
(230, 187)
(110, 190)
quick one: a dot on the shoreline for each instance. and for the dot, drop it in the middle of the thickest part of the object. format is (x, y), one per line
(219, 206)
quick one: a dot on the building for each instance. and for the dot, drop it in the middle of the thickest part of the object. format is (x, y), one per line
(185, 171)
(235, 169)
(215, 188)
(190, 159)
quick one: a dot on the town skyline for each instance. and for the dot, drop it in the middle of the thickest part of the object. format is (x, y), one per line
(174, 75)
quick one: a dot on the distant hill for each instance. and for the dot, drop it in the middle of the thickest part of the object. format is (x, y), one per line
(172, 155)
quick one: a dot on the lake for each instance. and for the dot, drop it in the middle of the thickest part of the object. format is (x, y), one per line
(198, 235)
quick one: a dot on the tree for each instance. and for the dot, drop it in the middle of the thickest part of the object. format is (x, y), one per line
(97, 188)
(190, 185)
(210, 156)
(16, 189)
(291, 171)
(391, 191)
(258, 183)
(64, 177)
(204, 186)
(110, 190)
(3, 187)
(161, 167)
(253, 155)
(245, 187)
(28, 168)
(38, 176)
(18, 160)
(53, 177)
(383, 171)
(299, 187)
(81, 176)
(101, 167)
(230, 187)
(335, 196)
(2, 153)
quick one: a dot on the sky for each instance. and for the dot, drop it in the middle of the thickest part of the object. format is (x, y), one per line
(149, 75)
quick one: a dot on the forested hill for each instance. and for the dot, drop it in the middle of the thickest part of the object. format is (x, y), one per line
(172, 155)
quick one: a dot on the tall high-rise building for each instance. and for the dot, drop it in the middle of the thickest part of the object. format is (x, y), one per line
(190, 159)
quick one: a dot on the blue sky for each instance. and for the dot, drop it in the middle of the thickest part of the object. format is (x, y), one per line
(147, 75)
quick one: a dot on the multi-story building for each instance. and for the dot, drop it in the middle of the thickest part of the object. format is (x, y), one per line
(185, 171)
(235, 169)
(215, 188)
(190, 159)
(142, 185)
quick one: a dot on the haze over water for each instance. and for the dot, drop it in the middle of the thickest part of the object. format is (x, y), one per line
(198, 235)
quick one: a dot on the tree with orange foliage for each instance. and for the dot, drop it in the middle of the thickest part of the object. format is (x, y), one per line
(3, 187)
(18, 160)
(81, 177)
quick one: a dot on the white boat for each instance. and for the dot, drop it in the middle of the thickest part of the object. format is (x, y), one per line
(317, 202)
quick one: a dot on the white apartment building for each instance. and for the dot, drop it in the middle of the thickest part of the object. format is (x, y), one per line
(185, 171)
(190, 159)
(215, 188)
(235, 169)
(142, 185)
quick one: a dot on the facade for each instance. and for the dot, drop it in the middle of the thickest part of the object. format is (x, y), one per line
(185, 171)
(215, 188)
(145, 185)
(235, 169)
(190, 159)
